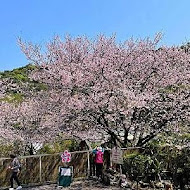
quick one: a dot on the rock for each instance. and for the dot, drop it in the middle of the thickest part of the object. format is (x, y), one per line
(168, 186)
(124, 182)
(187, 187)
(113, 183)
(159, 185)
(135, 186)
(143, 185)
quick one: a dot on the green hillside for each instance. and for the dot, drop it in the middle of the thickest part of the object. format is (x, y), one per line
(19, 84)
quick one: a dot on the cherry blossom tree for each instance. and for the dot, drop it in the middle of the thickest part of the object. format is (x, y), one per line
(130, 91)
(20, 115)
(27, 123)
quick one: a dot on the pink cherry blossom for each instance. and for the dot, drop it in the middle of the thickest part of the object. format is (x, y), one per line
(100, 88)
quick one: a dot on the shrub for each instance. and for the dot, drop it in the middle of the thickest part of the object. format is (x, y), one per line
(141, 167)
(59, 146)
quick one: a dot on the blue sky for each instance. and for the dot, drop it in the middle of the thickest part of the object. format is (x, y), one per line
(39, 20)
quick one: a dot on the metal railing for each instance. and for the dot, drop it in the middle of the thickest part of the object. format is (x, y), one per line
(43, 168)
(39, 169)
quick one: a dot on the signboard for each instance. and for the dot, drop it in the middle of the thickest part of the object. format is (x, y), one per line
(117, 155)
(65, 171)
(66, 156)
(65, 176)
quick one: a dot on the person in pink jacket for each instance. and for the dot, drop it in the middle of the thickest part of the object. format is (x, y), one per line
(99, 160)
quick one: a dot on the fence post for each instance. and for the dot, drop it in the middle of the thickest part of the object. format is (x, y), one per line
(111, 163)
(40, 168)
(88, 169)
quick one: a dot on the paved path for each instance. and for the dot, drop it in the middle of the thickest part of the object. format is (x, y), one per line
(77, 185)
